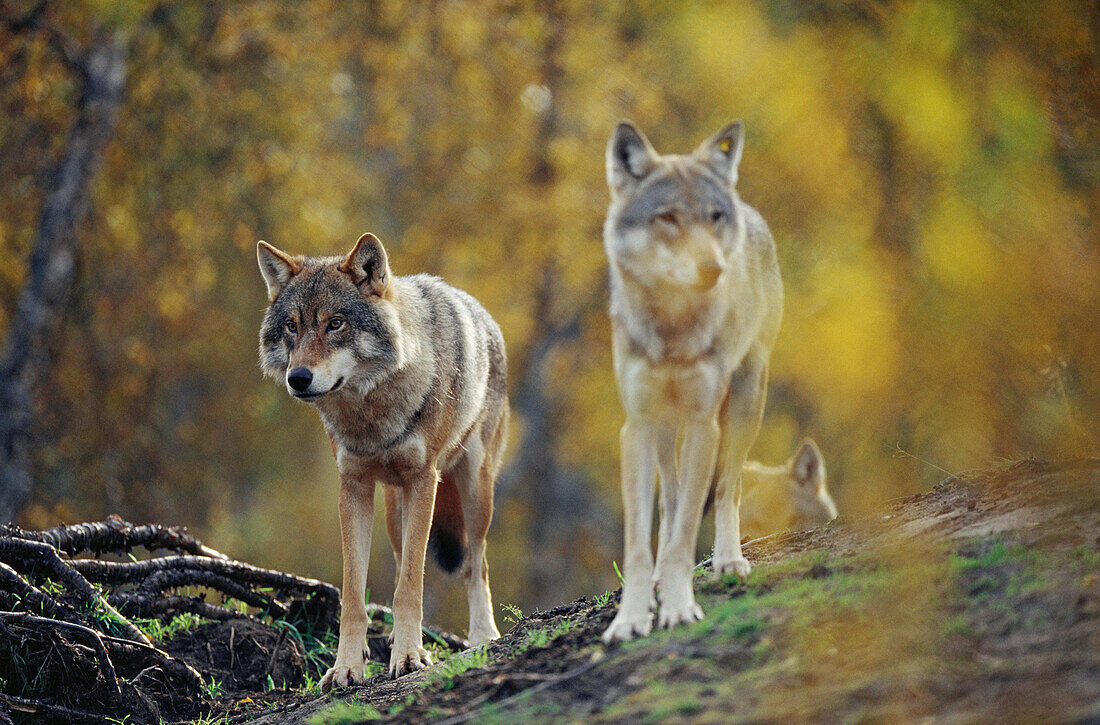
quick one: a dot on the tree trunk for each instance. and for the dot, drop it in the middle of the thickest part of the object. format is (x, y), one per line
(25, 356)
(558, 496)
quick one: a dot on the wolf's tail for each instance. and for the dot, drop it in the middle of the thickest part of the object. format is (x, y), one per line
(447, 539)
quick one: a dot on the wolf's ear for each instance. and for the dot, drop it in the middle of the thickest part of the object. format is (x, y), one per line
(808, 466)
(629, 157)
(367, 264)
(723, 151)
(277, 267)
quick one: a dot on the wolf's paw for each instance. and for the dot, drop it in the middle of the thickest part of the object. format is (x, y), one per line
(483, 634)
(672, 615)
(404, 660)
(344, 675)
(626, 627)
(738, 565)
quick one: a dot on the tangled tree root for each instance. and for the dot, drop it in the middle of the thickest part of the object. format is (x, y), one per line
(72, 652)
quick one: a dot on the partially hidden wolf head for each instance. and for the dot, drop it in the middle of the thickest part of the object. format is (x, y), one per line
(801, 497)
(675, 220)
(330, 324)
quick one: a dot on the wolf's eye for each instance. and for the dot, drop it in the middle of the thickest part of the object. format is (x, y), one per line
(667, 217)
(335, 323)
(291, 326)
(717, 217)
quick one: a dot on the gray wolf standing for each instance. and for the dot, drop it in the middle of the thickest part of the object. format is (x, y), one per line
(696, 301)
(408, 375)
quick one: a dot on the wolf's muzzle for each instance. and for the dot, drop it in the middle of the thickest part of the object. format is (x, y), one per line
(709, 275)
(299, 379)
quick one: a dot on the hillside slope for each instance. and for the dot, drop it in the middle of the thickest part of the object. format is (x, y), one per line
(979, 600)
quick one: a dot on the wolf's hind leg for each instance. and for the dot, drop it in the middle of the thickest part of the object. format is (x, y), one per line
(473, 475)
(408, 653)
(740, 420)
(392, 496)
(670, 485)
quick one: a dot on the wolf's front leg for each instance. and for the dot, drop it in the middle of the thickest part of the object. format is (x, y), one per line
(356, 521)
(639, 473)
(407, 653)
(741, 418)
(676, 558)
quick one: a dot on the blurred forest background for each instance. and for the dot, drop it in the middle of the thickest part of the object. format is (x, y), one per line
(930, 170)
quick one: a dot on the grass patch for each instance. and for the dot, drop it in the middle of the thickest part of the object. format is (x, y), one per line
(989, 567)
(512, 614)
(345, 713)
(318, 646)
(524, 709)
(160, 631)
(205, 720)
(997, 585)
(546, 635)
(444, 674)
(746, 637)
(796, 590)
(671, 701)
(214, 688)
(978, 553)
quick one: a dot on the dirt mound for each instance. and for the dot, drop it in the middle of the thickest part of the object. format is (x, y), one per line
(241, 656)
(979, 600)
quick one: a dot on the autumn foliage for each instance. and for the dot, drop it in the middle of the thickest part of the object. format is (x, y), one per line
(930, 170)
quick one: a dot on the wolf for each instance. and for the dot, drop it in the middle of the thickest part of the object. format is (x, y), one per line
(695, 304)
(793, 495)
(409, 377)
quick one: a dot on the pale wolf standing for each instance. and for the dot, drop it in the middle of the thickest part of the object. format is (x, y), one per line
(696, 301)
(793, 495)
(408, 375)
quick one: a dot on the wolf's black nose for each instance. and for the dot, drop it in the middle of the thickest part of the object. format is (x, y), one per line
(299, 378)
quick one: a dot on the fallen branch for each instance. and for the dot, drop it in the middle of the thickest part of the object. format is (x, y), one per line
(145, 607)
(110, 572)
(115, 574)
(171, 578)
(116, 536)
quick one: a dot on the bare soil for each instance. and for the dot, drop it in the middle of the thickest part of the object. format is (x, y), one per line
(240, 655)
